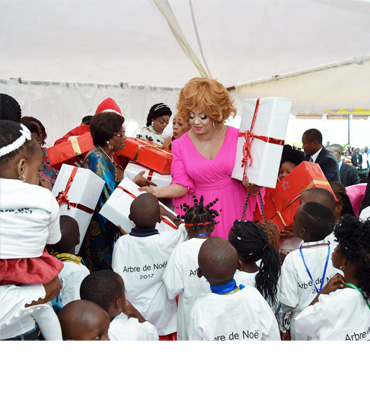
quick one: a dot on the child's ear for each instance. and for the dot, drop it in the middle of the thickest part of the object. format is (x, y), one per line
(21, 168)
(239, 265)
(78, 240)
(303, 232)
(199, 273)
(338, 208)
(129, 217)
(118, 304)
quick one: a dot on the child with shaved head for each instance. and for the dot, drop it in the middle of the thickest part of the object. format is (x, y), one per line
(306, 270)
(106, 288)
(229, 312)
(317, 195)
(141, 257)
(84, 320)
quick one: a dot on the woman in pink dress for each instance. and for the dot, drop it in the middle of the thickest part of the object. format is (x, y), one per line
(204, 158)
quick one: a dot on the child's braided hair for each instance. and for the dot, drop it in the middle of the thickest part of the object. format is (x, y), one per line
(199, 214)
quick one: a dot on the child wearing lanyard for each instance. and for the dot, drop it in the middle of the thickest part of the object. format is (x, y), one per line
(180, 277)
(306, 270)
(342, 310)
(230, 312)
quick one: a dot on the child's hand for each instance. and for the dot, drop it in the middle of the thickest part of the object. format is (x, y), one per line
(165, 213)
(141, 181)
(336, 282)
(123, 232)
(131, 311)
(46, 183)
(52, 290)
(287, 232)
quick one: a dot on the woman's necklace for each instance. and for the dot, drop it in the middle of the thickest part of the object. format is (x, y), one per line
(118, 170)
(110, 158)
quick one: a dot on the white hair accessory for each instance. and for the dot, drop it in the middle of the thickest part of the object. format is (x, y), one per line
(25, 135)
(159, 106)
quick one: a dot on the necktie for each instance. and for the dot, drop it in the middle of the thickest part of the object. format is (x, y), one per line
(311, 159)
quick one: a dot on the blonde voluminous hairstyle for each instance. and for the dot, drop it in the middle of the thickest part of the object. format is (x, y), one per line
(208, 96)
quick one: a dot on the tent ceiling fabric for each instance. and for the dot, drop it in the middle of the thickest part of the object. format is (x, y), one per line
(130, 41)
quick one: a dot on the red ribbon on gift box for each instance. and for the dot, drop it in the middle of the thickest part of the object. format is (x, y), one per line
(162, 218)
(250, 136)
(62, 197)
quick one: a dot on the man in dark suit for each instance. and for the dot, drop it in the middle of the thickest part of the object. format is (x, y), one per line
(317, 153)
(348, 173)
(357, 159)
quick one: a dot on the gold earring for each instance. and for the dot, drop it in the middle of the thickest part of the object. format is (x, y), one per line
(22, 177)
(120, 310)
(110, 147)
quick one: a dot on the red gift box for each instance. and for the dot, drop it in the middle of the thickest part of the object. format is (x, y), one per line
(68, 151)
(147, 153)
(281, 203)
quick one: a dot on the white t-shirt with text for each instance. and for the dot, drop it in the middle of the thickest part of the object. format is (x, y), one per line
(243, 315)
(180, 278)
(29, 219)
(296, 289)
(141, 261)
(341, 315)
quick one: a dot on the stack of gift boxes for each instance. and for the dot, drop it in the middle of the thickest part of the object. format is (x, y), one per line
(281, 203)
(260, 144)
(142, 155)
(78, 189)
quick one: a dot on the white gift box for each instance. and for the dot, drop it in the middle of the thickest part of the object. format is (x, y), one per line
(117, 208)
(270, 125)
(83, 192)
(132, 169)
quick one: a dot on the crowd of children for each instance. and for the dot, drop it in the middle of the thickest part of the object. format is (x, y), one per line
(184, 284)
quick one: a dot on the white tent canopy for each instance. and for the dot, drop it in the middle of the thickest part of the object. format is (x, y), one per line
(60, 59)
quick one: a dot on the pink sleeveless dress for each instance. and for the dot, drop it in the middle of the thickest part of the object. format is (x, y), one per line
(212, 179)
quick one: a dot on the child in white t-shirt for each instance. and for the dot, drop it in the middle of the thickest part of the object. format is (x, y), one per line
(106, 288)
(305, 270)
(29, 214)
(180, 276)
(260, 262)
(29, 219)
(141, 257)
(341, 311)
(318, 195)
(230, 312)
(74, 271)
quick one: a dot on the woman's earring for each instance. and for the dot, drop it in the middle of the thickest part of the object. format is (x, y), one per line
(21, 177)
(110, 147)
(214, 125)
